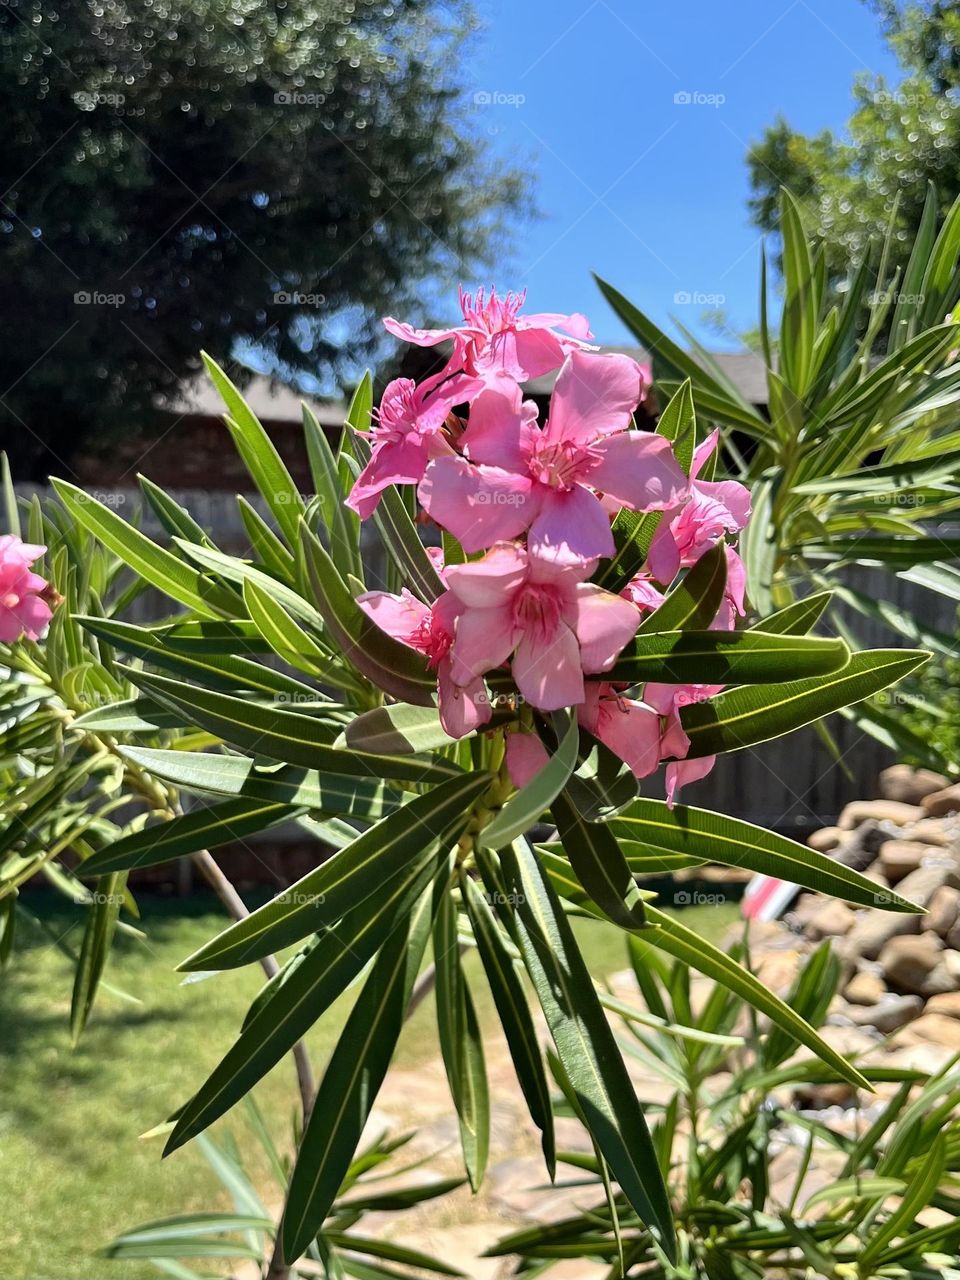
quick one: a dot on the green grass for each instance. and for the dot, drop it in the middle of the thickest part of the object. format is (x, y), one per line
(73, 1172)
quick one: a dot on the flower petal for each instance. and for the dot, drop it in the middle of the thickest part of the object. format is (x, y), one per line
(683, 771)
(499, 429)
(547, 670)
(571, 528)
(594, 395)
(463, 708)
(526, 755)
(639, 470)
(604, 623)
(393, 462)
(399, 616)
(479, 505)
(484, 583)
(484, 640)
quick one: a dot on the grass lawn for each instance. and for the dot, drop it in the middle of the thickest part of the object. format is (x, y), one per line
(72, 1171)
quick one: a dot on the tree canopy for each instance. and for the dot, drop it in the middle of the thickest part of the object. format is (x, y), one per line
(187, 174)
(900, 138)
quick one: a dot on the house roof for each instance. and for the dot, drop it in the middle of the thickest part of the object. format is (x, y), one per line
(745, 369)
(271, 401)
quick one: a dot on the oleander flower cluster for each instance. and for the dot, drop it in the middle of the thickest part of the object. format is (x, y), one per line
(531, 504)
(25, 597)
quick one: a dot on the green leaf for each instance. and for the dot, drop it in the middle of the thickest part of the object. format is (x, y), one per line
(177, 521)
(918, 1197)
(745, 716)
(164, 649)
(650, 827)
(392, 666)
(798, 324)
(267, 547)
(692, 949)
(330, 495)
(220, 775)
(402, 541)
(398, 729)
(188, 833)
(11, 513)
(461, 1044)
(321, 975)
(175, 1237)
(694, 602)
(281, 734)
(349, 877)
(797, 618)
(633, 532)
(727, 657)
(291, 642)
(353, 1078)
(132, 715)
(94, 950)
(514, 1013)
(599, 865)
(259, 454)
(158, 567)
(584, 1041)
(520, 812)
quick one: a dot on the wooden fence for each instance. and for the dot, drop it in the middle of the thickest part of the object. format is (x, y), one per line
(792, 784)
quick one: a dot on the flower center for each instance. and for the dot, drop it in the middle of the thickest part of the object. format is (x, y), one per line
(561, 464)
(537, 608)
(432, 639)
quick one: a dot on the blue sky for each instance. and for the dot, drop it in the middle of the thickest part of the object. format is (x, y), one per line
(648, 192)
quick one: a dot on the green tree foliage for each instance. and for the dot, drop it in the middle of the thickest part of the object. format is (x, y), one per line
(899, 138)
(221, 173)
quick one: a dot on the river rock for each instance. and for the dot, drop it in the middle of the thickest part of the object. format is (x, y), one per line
(894, 811)
(825, 839)
(943, 910)
(939, 868)
(908, 961)
(946, 1004)
(899, 857)
(831, 919)
(908, 785)
(942, 802)
(865, 988)
(939, 831)
(888, 1014)
(933, 1028)
(874, 929)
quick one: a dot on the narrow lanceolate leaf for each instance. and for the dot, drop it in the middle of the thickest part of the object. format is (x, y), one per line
(202, 829)
(461, 1044)
(94, 950)
(212, 775)
(727, 657)
(520, 812)
(291, 642)
(745, 716)
(514, 1013)
(160, 568)
(398, 729)
(353, 1078)
(599, 864)
(259, 454)
(190, 1235)
(633, 532)
(797, 618)
(132, 715)
(348, 878)
(584, 1041)
(330, 495)
(281, 734)
(694, 602)
(392, 666)
(321, 975)
(650, 827)
(692, 949)
(401, 540)
(182, 657)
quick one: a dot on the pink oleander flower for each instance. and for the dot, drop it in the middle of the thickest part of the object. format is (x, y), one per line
(555, 625)
(731, 606)
(525, 756)
(430, 630)
(641, 592)
(644, 734)
(515, 477)
(407, 432)
(23, 609)
(712, 509)
(494, 338)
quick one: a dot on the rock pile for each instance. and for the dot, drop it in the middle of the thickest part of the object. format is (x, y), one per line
(900, 973)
